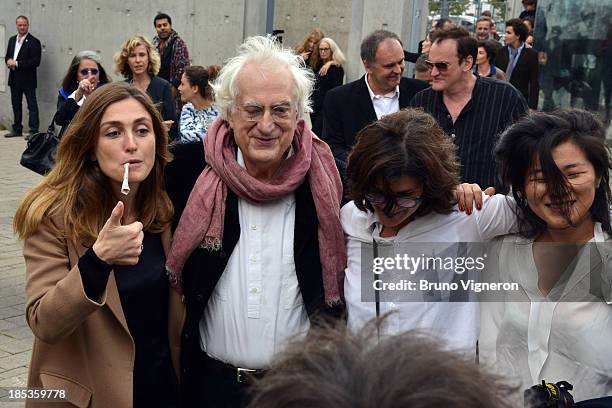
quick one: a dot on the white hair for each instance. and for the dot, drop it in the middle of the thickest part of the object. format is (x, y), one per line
(337, 54)
(268, 53)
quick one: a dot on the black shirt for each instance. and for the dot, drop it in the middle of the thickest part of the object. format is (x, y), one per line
(143, 290)
(494, 106)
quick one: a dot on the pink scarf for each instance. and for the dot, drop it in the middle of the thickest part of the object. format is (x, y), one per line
(202, 221)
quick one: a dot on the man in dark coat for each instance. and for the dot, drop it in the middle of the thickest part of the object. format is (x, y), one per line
(22, 58)
(382, 90)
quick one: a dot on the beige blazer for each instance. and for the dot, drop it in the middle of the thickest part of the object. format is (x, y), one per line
(81, 345)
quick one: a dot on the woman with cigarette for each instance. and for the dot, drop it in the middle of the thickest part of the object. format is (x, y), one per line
(84, 75)
(139, 63)
(106, 323)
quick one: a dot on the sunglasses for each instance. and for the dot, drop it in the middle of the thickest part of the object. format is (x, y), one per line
(401, 202)
(440, 66)
(93, 71)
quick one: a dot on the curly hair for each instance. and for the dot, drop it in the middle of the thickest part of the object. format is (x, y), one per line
(406, 143)
(120, 58)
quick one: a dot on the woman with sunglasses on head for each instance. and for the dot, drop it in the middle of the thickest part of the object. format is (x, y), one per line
(558, 325)
(402, 175)
(328, 60)
(84, 75)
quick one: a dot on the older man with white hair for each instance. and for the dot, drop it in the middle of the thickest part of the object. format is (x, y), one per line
(258, 250)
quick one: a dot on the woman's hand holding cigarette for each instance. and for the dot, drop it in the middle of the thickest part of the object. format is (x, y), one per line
(119, 244)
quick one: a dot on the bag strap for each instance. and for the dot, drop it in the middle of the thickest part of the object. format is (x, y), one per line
(51, 128)
(376, 292)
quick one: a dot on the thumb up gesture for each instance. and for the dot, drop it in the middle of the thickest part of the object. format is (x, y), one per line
(119, 244)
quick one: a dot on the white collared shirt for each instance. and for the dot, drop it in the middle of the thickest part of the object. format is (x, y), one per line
(18, 45)
(257, 304)
(455, 323)
(384, 104)
(80, 102)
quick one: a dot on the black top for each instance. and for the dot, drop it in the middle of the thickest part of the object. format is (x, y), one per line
(494, 106)
(160, 92)
(143, 290)
(323, 83)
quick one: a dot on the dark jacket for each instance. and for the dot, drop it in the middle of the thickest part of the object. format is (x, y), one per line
(160, 92)
(204, 268)
(324, 83)
(348, 109)
(28, 59)
(525, 74)
(66, 109)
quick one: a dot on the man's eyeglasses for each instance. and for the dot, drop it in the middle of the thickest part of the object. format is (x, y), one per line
(255, 113)
(399, 201)
(440, 66)
(86, 71)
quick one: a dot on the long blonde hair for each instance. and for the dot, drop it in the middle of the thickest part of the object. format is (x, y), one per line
(76, 187)
(120, 58)
(316, 34)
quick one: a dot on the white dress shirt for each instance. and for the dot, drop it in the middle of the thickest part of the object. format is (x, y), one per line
(384, 104)
(534, 337)
(18, 45)
(257, 304)
(455, 323)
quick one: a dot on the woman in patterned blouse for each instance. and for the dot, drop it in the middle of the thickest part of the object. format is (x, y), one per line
(198, 111)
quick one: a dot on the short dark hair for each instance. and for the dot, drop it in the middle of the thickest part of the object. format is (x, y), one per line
(370, 44)
(484, 18)
(486, 13)
(405, 143)
(466, 45)
(529, 2)
(161, 16)
(333, 367)
(440, 23)
(22, 17)
(520, 29)
(202, 76)
(490, 48)
(537, 135)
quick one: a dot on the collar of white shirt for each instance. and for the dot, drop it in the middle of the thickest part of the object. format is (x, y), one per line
(391, 95)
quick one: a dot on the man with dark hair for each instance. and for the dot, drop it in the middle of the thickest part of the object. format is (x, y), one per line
(530, 9)
(472, 110)
(422, 72)
(173, 53)
(407, 370)
(22, 58)
(382, 90)
(519, 62)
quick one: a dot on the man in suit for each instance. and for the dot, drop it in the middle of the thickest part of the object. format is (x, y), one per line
(519, 62)
(382, 90)
(259, 249)
(22, 58)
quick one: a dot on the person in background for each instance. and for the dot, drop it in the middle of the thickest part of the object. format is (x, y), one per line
(330, 55)
(139, 63)
(483, 29)
(306, 47)
(22, 58)
(422, 71)
(197, 94)
(557, 326)
(423, 48)
(336, 368)
(519, 62)
(530, 9)
(106, 322)
(84, 75)
(173, 53)
(485, 61)
(443, 24)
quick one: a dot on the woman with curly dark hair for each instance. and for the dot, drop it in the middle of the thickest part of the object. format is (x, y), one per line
(402, 175)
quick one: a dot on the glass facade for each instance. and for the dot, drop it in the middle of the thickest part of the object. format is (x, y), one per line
(574, 40)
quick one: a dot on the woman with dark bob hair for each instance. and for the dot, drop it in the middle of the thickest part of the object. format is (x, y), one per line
(402, 175)
(106, 322)
(558, 326)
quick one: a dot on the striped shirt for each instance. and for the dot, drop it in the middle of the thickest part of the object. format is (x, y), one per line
(494, 106)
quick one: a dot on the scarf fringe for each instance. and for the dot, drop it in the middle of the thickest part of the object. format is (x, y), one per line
(211, 244)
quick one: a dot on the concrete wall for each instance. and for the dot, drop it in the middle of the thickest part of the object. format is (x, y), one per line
(212, 30)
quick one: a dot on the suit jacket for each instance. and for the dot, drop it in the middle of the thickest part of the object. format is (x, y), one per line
(28, 59)
(348, 109)
(80, 345)
(204, 268)
(525, 74)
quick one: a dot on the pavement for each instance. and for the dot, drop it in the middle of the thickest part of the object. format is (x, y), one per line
(15, 335)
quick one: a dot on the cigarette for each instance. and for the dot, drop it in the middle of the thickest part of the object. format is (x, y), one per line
(125, 187)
